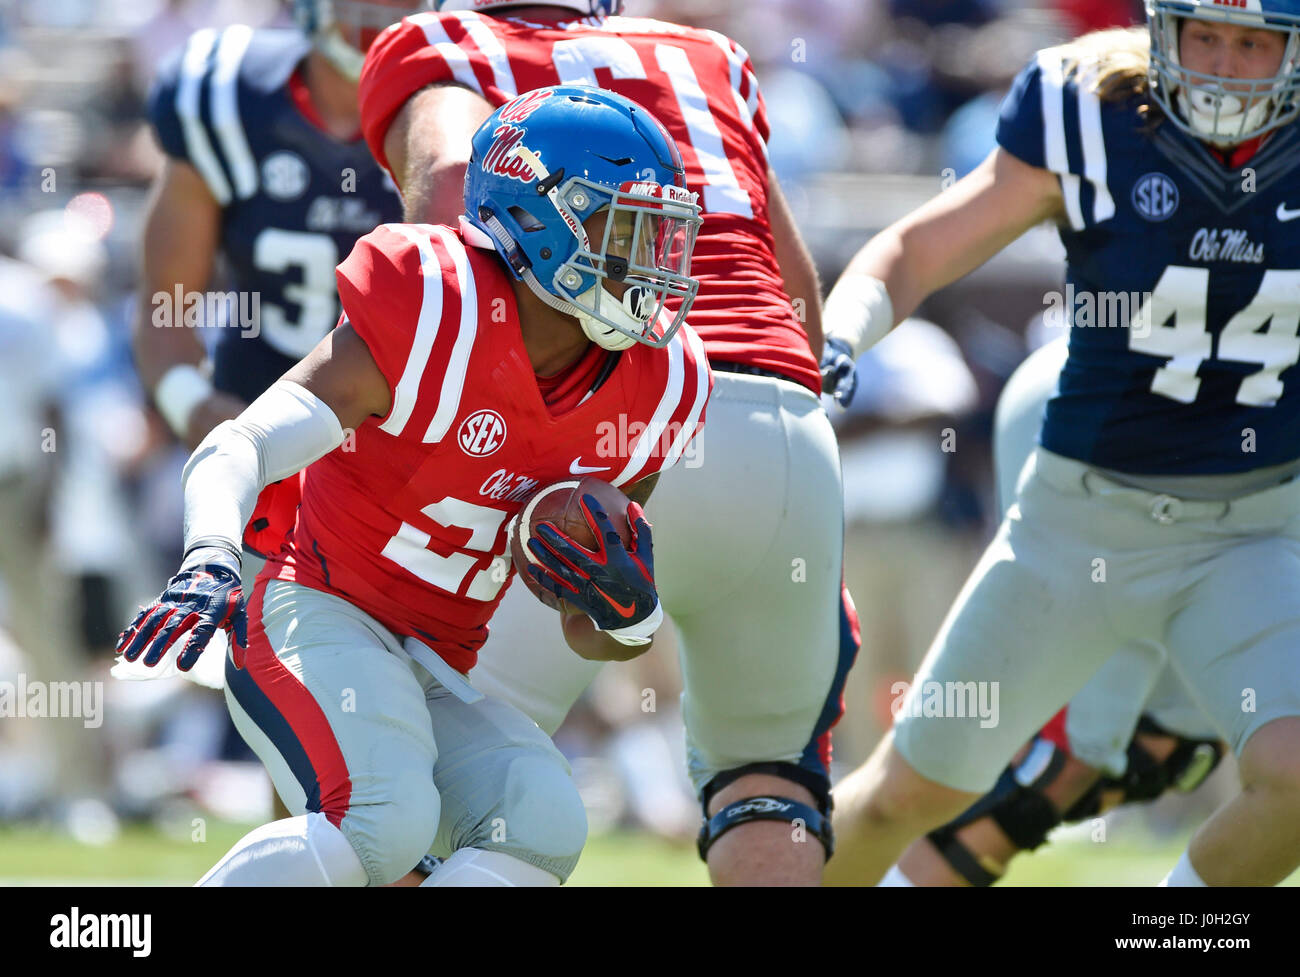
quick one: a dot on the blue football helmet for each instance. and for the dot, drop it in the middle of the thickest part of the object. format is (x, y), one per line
(588, 8)
(343, 30)
(545, 162)
(1220, 110)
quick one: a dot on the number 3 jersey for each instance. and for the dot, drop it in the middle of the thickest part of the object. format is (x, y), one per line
(1182, 284)
(408, 518)
(698, 83)
(293, 198)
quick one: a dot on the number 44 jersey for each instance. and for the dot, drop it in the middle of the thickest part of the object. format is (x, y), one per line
(293, 198)
(408, 518)
(1182, 283)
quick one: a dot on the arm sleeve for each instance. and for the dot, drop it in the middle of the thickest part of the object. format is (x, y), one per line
(280, 433)
(410, 56)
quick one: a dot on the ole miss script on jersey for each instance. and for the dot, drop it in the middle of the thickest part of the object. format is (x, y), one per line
(409, 521)
(699, 84)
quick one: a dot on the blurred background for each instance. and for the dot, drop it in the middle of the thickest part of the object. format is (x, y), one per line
(875, 106)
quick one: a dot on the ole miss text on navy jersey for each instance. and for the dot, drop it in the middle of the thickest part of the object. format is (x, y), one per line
(1182, 283)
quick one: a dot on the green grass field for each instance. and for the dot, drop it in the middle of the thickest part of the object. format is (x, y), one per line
(144, 856)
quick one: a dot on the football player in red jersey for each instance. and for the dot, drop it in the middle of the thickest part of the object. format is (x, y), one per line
(754, 533)
(347, 671)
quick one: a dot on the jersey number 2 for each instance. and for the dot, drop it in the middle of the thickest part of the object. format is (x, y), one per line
(1181, 295)
(409, 549)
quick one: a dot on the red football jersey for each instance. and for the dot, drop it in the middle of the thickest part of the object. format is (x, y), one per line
(699, 84)
(407, 519)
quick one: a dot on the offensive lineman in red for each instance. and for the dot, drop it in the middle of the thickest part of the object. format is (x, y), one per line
(750, 545)
(471, 366)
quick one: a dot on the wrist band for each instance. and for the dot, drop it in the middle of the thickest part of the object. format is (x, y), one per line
(641, 632)
(181, 389)
(858, 311)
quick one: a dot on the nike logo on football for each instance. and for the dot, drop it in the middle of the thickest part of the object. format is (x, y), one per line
(1287, 215)
(576, 468)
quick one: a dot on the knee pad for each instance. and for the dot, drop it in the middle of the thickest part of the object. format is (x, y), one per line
(391, 836)
(1146, 778)
(539, 819)
(1016, 804)
(769, 807)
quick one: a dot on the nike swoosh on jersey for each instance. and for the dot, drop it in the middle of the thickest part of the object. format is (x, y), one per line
(577, 468)
(1287, 215)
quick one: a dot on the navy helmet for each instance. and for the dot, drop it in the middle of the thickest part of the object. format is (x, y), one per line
(1216, 108)
(546, 162)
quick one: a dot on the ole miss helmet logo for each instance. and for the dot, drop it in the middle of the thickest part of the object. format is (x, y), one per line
(482, 433)
(499, 159)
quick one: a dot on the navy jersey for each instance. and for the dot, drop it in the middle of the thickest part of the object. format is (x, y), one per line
(294, 200)
(1182, 284)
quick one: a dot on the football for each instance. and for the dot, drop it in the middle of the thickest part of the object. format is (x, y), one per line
(560, 505)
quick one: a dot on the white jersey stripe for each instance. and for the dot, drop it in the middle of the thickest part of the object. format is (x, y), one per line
(1052, 73)
(667, 406)
(737, 66)
(701, 392)
(722, 191)
(426, 331)
(1094, 150)
(453, 380)
(225, 109)
(455, 56)
(488, 43)
(193, 67)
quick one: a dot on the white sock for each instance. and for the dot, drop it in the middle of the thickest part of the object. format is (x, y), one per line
(474, 867)
(303, 851)
(895, 877)
(1183, 875)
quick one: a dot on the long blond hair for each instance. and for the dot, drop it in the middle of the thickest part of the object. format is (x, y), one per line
(1117, 60)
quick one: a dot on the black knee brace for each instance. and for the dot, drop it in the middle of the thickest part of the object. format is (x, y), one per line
(1016, 804)
(768, 807)
(1146, 778)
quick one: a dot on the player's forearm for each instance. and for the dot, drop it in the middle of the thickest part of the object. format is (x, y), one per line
(587, 642)
(428, 147)
(795, 263)
(281, 433)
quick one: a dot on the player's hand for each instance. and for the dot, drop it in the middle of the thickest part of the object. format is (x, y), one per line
(208, 413)
(614, 586)
(839, 371)
(203, 596)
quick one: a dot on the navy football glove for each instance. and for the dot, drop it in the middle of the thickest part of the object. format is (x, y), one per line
(615, 587)
(205, 595)
(839, 371)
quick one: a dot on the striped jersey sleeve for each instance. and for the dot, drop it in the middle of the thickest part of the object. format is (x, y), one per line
(1052, 119)
(408, 290)
(680, 384)
(427, 49)
(194, 110)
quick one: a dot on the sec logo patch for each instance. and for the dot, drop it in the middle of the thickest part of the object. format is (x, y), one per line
(482, 433)
(1155, 197)
(285, 175)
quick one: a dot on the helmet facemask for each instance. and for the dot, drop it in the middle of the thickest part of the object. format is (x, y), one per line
(345, 29)
(1217, 109)
(644, 249)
